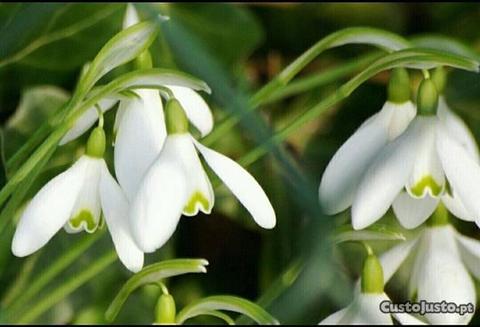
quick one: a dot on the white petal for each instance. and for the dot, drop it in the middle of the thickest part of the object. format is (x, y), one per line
(48, 211)
(456, 207)
(462, 172)
(470, 251)
(140, 137)
(87, 120)
(131, 16)
(341, 178)
(443, 277)
(412, 212)
(86, 211)
(392, 259)
(457, 129)
(334, 318)
(115, 211)
(195, 107)
(386, 177)
(160, 200)
(242, 185)
(401, 116)
(427, 176)
(365, 310)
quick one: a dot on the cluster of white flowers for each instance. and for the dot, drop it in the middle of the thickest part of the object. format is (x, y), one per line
(159, 173)
(423, 162)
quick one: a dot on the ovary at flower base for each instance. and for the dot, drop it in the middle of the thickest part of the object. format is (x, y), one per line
(434, 160)
(177, 184)
(75, 200)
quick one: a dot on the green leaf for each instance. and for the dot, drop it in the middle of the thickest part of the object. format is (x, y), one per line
(375, 232)
(30, 27)
(122, 48)
(152, 274)
(352, 35)
(444, 43)
(228, 303)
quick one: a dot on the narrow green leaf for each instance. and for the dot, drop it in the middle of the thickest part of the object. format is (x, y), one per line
(152, 274)
(375, 232)
(410, 58)
(228, 303)
(122, 48)
(444, 43)
(353, 35)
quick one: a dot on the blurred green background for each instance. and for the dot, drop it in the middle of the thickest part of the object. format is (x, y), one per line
(235, 48)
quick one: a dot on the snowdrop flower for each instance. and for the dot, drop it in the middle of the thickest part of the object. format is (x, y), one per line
(365, 308)
(434, 159)
(344, 172)
(75, 200)
(176, 183)
(443, 259)
(140, 124)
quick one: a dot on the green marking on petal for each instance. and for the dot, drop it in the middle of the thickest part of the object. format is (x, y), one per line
(426, 182)
(84, 219)
(197, 197)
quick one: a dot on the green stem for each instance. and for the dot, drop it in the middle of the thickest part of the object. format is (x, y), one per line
(56, 295)
(53, 271)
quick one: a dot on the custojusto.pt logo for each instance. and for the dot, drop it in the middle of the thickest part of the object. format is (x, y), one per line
(424, 307)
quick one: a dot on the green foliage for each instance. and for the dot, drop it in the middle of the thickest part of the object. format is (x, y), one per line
(297, 79)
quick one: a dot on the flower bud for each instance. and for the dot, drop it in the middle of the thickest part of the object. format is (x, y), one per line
(427, 98)
(372, 275)
(175, 118)
(439, 77)
(165, 311)
(96, 143)
(399, 86)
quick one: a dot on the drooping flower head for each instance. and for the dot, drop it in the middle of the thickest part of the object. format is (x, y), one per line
(365, 308)
(434, 160)
(443, 260)
(75, 200)
(177, 184)
(345, 170)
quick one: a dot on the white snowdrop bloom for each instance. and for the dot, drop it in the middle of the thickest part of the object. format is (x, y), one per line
(345, 170)
(176, 183)
(434, 159)
(365, 308)
(443, 261)
(75, 200)
(140, 125)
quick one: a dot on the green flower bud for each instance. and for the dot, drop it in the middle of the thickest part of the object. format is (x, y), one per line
(439, 216)
(144, 60)
(439, 77)
(175, 118)
(372, 275)
(165, 311)
(399, 86)
(427, 98)
(96, 143)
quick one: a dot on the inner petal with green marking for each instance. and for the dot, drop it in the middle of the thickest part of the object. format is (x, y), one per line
(197, 201)
(84, 220)
(425, 184)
